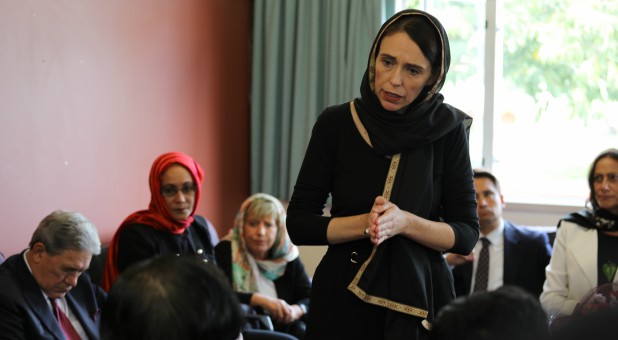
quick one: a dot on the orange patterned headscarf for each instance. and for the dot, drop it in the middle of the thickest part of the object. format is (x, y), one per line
(157, 216)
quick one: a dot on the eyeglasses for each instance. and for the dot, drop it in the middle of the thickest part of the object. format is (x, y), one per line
(170, 190)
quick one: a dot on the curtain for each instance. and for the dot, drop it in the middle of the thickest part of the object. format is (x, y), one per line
(306, 55)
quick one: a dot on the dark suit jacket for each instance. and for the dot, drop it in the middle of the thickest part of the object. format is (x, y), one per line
(526, 254)
(24, 312)
(293, 286)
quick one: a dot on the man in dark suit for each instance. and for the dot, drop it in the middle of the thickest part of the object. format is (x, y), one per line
(45, 292)
(517, 256)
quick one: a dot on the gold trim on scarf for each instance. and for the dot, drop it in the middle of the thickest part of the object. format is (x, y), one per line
(388, 188)
(359, 124)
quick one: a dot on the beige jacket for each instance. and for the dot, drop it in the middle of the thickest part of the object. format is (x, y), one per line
(572, 270)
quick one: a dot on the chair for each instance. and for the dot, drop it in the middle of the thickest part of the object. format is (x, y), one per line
(260, 334)
(97, 266)
(257, 320)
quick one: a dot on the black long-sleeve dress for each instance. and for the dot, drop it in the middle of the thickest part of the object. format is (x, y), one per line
(433, 181)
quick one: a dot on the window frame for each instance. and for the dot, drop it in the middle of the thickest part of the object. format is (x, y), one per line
(525, 213)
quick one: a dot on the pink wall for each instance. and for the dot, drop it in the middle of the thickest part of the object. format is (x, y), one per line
(92, 91)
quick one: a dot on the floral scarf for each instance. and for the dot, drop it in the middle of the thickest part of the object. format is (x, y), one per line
(245, 268)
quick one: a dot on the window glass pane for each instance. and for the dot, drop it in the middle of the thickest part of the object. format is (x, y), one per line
(557, 101)
(464, 22)
(556, 94)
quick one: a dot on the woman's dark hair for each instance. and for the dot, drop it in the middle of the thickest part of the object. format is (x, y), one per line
(171, 297)
(424, 34)
(611, 153)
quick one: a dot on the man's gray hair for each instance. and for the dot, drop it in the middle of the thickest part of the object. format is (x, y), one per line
(67, 230)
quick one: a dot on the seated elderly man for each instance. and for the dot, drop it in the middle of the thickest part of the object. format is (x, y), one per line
(46, 293)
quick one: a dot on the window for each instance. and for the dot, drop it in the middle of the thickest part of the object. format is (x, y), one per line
(540, 79)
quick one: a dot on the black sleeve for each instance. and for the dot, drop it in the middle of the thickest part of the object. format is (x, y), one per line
(305, 221)
(302, 283)
(459, 197)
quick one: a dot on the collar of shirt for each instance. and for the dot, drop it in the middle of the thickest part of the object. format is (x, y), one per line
(496, 236)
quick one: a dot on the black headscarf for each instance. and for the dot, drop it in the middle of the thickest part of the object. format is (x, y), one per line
(600, 219)
(425, 119)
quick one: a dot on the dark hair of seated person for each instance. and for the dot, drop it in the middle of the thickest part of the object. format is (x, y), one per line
(507, 313)
(171, 297)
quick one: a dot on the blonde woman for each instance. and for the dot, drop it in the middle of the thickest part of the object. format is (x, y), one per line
(263, 264)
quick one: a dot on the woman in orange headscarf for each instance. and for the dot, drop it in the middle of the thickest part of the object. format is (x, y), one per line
(169, 225)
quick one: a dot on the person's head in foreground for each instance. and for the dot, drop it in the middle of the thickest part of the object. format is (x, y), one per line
(171, 297)
(507, 313)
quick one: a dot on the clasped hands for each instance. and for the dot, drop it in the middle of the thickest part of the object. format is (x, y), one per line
(278, 309)
(386, 220)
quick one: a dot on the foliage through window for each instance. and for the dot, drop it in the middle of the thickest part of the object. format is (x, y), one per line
(553, 105)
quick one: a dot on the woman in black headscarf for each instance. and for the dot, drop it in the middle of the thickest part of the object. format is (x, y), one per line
(397, 167)
(585, 252)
